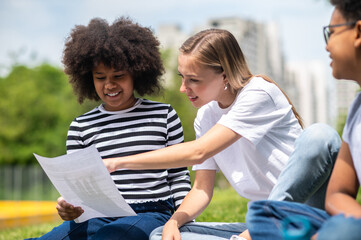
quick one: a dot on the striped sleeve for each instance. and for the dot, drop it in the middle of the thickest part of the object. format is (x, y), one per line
(73, 141)
(174, 127)
(178, 178)
(179, 183)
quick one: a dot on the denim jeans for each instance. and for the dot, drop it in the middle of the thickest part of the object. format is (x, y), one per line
(150, 215)
(340, 227)
(205, 231)
(304, 179)
(264, 221)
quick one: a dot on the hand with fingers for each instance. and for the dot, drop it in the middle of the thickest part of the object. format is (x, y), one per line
(67, 211)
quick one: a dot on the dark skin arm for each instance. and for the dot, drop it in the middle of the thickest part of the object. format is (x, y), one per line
(343, 186)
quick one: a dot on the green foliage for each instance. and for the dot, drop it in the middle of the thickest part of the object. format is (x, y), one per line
(37, 106)
(341, 121)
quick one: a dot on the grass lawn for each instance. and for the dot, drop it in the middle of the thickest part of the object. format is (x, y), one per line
(226, 206)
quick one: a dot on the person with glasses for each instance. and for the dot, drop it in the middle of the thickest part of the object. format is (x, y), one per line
(342, 218)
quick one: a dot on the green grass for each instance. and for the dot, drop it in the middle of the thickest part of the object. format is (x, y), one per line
(226, 206)
(27, 232)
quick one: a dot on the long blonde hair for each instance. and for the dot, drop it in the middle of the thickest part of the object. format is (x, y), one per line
(219, 50)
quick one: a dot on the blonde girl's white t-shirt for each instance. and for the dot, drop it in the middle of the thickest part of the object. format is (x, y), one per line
(263, 117)
(352, 134)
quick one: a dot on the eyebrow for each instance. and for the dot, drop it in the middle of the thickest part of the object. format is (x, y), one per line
(189, 75)
(115, 71)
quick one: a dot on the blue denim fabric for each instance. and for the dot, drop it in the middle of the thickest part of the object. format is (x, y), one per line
(305, 177)
(264, 220)
(205, 231)
(150, 215)
(340, 227)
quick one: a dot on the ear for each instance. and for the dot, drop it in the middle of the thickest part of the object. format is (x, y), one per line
(357, 43)
(224, 77)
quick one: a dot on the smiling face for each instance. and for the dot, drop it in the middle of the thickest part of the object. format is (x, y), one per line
(341, 48)
(202, 85)
(114, 87)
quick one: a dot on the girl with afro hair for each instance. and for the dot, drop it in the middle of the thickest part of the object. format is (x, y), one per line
(109, 63)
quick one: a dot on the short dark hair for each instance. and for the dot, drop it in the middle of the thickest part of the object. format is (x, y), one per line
(124, 45)
(350, 9)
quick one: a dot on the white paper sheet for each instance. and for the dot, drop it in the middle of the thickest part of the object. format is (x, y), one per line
(82, 180)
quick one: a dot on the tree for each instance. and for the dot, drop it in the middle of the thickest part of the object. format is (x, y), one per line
(37, 106)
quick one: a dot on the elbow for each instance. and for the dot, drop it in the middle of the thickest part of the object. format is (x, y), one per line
(197, 152)
(199, 156)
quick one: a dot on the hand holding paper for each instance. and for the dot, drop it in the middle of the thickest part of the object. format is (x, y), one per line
(82, 180)
(67, 211)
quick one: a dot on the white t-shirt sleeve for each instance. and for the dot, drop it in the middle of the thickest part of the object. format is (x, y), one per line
(255, 113)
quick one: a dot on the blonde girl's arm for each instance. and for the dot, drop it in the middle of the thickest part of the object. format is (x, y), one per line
(190, 153)
(193, 204)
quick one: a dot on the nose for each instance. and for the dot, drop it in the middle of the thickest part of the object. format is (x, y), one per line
(109, 84)
(183, 88)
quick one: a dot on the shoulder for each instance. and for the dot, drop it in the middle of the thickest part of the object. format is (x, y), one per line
(145, 103)
(257, 91)
(260, 91)
(83, 121)
(355, 107)
(156, 109)
(260, 84)
(88, 115)
(353, 116)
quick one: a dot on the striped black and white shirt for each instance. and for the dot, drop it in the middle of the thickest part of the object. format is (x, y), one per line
(144, 127)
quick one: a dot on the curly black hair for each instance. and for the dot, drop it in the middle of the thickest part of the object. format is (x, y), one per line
(350, 9)
(123, 45)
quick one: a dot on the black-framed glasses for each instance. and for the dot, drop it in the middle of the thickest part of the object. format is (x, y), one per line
(326, 29)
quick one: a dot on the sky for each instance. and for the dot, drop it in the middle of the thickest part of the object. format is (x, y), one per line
(34, 31)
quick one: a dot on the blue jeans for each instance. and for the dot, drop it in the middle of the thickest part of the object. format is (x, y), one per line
(304, 179)
(205, 231)
(264, 221)
(150, 215)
